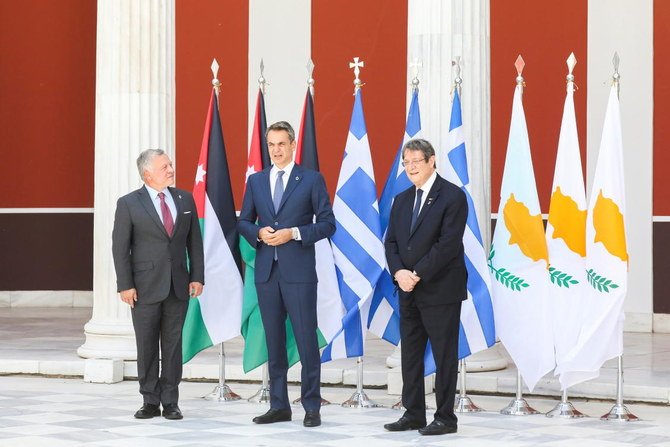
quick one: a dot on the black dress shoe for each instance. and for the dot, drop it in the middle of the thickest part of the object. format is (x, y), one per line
(437, 428)
(172, 411)
(403, 424)
(312, 418)
(148, 411)
(274, 415)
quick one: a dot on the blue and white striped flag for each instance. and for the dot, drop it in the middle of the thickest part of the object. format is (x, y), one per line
(357, 242)
(384, 318)
(477, 329)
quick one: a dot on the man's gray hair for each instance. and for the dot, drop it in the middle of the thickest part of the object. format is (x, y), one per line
(282, 125)
(419, 144)
(145, 158)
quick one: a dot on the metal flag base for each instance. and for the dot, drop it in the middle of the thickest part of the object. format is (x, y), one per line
(323, 401)
(398, 406)
(619, 412)
(360, 400)
(222, 393)
(465, 405)
(518, 407)
(565, 410)
(261, 397)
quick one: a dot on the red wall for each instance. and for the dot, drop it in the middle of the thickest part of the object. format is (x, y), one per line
(661, 109)
(377, 33)
(47, 104)
(544, 33)
(212, 29)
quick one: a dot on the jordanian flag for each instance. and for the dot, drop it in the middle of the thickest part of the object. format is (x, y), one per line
(215, 316)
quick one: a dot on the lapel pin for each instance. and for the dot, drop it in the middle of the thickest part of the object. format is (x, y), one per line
(429, 201)
(297, 178)
(180, 196)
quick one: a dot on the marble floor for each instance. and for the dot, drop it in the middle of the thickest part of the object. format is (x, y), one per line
(40, 407)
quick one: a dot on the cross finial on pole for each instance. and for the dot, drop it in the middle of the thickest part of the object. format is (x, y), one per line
(357, 65)
(215, 71)
(415, 66)
(456, 63)
(262, 82)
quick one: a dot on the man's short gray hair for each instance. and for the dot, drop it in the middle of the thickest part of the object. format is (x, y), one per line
(145, 158)
(419, 144)
(282, 125)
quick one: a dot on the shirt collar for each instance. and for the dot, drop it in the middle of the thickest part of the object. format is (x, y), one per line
(287, 170)
(429, 183)
(153, 193)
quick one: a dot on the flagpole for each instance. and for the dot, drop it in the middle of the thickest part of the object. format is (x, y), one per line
(565, 408)
(463, 402)
(262, 396)
(221, 392)
(359, 399)
(519, 406)
(618, 412)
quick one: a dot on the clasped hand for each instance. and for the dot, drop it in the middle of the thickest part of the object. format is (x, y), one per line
(273, 237)
(406, 279)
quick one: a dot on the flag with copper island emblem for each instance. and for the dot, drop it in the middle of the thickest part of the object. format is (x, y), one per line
(601, 337)
(566, 232)
(518, 259)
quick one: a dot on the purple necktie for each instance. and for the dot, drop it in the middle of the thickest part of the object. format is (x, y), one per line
(167, 216)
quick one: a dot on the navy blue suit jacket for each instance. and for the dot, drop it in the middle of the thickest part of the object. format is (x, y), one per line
(305, 196)
(434, 249)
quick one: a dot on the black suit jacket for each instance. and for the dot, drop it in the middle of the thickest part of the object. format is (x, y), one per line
(434, 249)
(146, 258)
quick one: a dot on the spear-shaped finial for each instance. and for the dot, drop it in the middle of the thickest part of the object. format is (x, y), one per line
(215, 72)
(262, 82)
(616, 77)
(415, 66)
(310, 80)
(357, 65)
(456, 63)
(571, 61)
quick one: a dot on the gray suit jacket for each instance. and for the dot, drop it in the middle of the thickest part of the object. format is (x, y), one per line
(146, 258)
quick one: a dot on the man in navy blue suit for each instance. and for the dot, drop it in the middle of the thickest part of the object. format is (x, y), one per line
(424, 251)
(277, 218)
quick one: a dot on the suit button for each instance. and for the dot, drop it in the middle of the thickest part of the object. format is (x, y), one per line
(169, 259)
(409, 248)
(276, 223)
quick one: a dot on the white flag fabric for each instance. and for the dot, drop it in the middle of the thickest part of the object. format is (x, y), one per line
(566, 236)
(518, 260)
(601, 337)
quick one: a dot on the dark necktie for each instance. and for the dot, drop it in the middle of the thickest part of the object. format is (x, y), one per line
(279, 190)
(417, 207)
(167, 215)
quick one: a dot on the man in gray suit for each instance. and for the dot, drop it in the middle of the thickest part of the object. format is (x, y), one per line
(155, 228)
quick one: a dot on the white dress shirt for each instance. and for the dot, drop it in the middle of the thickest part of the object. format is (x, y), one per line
(273, 180)
(426, 189)
(157, 202)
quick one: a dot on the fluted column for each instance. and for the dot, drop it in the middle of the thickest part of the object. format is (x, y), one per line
(439, 31)
(134, 110)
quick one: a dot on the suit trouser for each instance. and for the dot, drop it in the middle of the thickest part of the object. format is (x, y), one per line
(161, 324)
(276, 298)
(440, 324)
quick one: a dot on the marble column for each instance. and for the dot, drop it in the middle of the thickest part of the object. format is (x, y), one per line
(134, 110)
(439, 31)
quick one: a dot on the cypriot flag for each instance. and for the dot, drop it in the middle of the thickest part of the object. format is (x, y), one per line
(566, 232)
(518, 258)
(601, 337)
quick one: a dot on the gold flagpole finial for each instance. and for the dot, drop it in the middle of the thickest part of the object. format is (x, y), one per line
(357, 65)
(216, 85)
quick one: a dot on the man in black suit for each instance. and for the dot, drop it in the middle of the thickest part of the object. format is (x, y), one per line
(424, 251)
(278, 219)
(155, 228)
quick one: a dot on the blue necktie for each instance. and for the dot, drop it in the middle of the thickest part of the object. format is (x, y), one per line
(279, 190)
(417, 207)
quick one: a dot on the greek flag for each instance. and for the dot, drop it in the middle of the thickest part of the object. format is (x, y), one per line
(477, 329)
(384, 318)
(357, 242)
